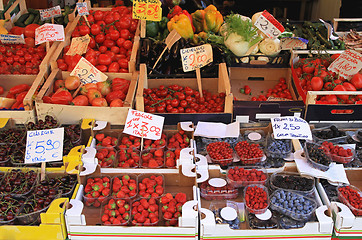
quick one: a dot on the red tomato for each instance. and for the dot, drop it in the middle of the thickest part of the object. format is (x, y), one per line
(29, 30)
(308, 68)
(125, 23)
(317, 83)
(104, 59)
(125, 33)
(127, 44)
(116, 103)
(99, 102)
(341, 88)
(95, 29)
(357, 81)
(98, 15)
(84, 30)
(80, 100)
(348, 86)
(123, 63)
(113, 67)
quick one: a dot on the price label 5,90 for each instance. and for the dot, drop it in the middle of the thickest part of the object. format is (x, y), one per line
(44, 145)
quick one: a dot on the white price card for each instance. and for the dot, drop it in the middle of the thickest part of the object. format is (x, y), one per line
(269, 25)
(196, 57)
(79, 45)
(49, 33)
(347, 64)
(12, 39)
(288, 43)
(82, 8)
(141, 124)
(291, 128)
(87, 72)
(44, 145)
(50, 13)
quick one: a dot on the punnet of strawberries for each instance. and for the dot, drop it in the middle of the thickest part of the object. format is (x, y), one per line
(172, 207)
(97, 190)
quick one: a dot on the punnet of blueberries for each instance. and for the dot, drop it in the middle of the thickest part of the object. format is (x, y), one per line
(293, 205)
(278, 148)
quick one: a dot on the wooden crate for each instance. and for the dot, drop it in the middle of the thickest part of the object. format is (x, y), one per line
(260, 81)
(59, 51)
(336, 22)
(213, 85)
(68, 114)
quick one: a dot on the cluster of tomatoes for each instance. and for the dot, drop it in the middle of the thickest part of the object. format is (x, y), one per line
(101, 94)
(338, 153)
(18, 93)
(256, 199)
(313, 75)
(111, 40)
(280, 90)
(249, 153)
(353, 198)
(178, 99)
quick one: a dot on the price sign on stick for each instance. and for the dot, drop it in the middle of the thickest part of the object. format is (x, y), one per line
(79, 45)
(82, 8)
(50, 13)
(147, 10)
(291, 128)
(196, 57)
(269, 25)
(48, 33)
(12, 39)
(347, 64)
(146, 125)
(44, 145)
(288, 43)
(87, 72)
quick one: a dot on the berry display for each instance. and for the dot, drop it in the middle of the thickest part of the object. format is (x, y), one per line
(292, 182)
(220, 153)
(145, 212)
(116, 212)
(249, 153)
(256, 198)
(351, 196)
(330, 133)
(239, 176)
(317, 156)
(338, 153)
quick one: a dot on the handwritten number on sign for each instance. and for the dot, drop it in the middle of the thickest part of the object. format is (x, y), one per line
(39, 146)
(141, 8)
(153, 10)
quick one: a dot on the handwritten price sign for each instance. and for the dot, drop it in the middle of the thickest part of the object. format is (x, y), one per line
(50, 13)
(147, 10)
(269, 25)
(82, 8)
(12, 39)
(49, 32)
(293, 43)
(44, 145)
(291, 128)
(347, 64)
(141, 124)
(79, 45)
(196, 57)
(87, 72)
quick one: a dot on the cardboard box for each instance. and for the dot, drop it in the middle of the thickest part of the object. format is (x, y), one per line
(68, 114)
(320, 229)
(85, 222)
(260, 80)
(213, 85)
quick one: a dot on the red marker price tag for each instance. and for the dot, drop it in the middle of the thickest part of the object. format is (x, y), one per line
(196, 57)
(269, 25)
(147, 10)
(141, 124)
(347, 64)
(87, 72)
(293, 43)
(82, 8)
(50, 13)
(48, 33)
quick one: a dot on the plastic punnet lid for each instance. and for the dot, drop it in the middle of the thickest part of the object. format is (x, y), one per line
(254, 136)
(217, 182)
(264, 216)
(228, 213)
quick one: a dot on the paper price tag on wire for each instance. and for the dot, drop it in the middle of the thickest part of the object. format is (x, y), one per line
(50, 13)
(49, 32)
(147, 10)
(347, 64)
(82, 8)
(79, 45)
(87, 72)
(288, 43)
(44, 145)
(12, 39)
(196, 57)
(269, 25)
(141, 124)
(291, 128)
